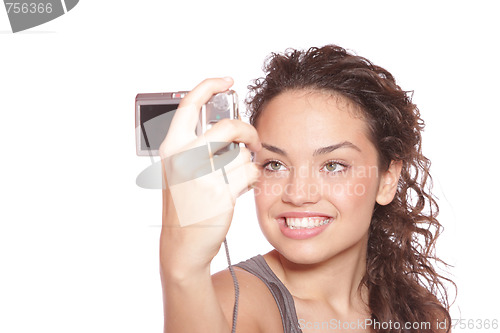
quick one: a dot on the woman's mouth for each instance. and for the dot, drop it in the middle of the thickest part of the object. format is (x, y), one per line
(303, 227)
(306, 222)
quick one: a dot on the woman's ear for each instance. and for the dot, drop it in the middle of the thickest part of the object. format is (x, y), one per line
(389, 183)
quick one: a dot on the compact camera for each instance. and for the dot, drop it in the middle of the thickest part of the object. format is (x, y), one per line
(154, 113)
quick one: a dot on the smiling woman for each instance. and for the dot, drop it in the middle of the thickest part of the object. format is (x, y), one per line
(342, 194)
(368, 246)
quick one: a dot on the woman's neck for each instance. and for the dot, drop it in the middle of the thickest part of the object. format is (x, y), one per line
(335, 281)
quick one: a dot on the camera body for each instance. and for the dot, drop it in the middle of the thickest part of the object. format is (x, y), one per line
(154, 113)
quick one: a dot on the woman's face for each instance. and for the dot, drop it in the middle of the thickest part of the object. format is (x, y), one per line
(320, 178)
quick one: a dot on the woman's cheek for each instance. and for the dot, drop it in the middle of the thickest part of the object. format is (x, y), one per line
(266, 191)
(355, 195)
(270, 186)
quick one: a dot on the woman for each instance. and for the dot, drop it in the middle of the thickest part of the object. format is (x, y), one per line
(340, 190)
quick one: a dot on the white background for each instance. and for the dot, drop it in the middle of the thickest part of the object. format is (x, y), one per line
(78, 238)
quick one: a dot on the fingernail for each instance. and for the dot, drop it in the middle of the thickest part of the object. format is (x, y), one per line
(228, 79)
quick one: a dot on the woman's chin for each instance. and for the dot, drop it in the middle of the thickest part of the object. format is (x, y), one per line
(302, 255)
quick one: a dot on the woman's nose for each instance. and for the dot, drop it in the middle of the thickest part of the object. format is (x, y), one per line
(301, 188)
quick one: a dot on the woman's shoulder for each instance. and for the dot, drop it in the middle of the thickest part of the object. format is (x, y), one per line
(257, 309)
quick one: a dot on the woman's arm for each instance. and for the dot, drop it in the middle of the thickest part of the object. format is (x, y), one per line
(189, 299)
(197, 211)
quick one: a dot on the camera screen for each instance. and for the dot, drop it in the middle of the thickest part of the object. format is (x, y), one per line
(155, 121)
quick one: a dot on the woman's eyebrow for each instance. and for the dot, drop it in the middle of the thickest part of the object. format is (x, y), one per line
(329, 149)
(319, 151)
(274, 149)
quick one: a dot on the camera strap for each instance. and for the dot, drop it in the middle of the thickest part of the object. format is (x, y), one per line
(236, 287)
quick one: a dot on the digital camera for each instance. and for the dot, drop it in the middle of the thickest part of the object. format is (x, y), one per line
(154, 113)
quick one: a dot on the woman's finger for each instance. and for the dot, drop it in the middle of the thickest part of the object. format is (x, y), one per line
(187, 115)
(241, 178)
(233, 130)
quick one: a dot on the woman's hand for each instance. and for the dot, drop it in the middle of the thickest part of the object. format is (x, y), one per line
(198, 205)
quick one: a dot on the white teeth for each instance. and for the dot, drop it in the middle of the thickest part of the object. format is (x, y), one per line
(306, 222)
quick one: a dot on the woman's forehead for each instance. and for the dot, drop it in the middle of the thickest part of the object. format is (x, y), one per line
(312, 116)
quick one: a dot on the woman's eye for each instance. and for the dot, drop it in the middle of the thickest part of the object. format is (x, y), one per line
(274, 166)
(334, 167)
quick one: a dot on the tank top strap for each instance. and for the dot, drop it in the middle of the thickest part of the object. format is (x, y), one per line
(259, 267)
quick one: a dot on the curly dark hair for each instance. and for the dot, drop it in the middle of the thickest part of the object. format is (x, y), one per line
(403, 284)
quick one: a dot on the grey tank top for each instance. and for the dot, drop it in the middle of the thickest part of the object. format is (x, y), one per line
(258, 267)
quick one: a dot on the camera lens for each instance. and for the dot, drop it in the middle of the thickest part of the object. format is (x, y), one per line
(220, 102)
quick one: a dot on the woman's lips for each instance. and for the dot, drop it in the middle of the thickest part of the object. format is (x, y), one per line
(303, 214)
(303, 225)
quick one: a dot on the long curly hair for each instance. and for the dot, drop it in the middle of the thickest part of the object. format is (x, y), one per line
(404, 285)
